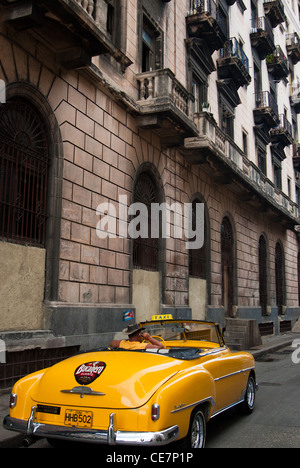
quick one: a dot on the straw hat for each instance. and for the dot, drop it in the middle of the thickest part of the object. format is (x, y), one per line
(132, 329)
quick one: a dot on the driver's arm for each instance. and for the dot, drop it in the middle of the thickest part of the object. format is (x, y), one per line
(153, 342)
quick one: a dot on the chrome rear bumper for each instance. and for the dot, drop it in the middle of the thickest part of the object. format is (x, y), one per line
(110, 437)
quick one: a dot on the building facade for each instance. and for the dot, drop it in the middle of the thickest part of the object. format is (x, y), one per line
(109, 103)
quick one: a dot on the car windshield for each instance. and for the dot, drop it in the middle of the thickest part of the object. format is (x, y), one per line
(185, 333)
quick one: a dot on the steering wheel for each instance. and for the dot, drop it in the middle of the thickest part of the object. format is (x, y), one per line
(159, 338)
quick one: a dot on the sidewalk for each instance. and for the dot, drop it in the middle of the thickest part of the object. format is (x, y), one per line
(270, 345)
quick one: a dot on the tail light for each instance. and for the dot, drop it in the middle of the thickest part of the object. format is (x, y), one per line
(13, 400)
(155, 412)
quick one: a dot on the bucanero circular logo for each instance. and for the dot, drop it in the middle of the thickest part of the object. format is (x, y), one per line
(89, 372)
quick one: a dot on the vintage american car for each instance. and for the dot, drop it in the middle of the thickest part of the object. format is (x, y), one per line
(148, 397)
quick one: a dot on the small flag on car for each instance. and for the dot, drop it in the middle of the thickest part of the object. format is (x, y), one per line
(128, 315)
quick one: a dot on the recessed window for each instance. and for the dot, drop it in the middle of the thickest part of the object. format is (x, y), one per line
(245, 143)
(145, 249)
(151, 46)
(24, 163)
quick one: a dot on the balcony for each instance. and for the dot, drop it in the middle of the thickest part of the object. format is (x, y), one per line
(165, 106)
(228, 165)
(293, 47)
(277, 64)
(295, 97)
(282, 134)
(74, 30)
(296, 157)
(205, 21)
(233, 63)
(262, 37)
(266, 111)
(274, 10)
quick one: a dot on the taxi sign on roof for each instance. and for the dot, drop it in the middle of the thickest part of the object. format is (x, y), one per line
(162, 317)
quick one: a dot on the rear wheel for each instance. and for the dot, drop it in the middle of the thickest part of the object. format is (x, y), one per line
(249, 401)
(197, 432)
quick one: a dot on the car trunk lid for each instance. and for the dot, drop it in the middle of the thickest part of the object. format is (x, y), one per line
(108, 379)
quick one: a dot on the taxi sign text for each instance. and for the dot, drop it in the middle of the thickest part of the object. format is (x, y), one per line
(162, 317)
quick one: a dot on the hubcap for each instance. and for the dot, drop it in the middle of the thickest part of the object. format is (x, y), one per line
(198, 431)
(251, 393)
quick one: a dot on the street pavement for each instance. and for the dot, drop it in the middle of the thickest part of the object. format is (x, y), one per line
(10, 439)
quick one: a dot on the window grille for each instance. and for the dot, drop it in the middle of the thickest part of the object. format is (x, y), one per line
(197, 261)
(24, 161)
(145, 251)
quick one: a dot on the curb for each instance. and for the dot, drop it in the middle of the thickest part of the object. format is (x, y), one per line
(272, 347)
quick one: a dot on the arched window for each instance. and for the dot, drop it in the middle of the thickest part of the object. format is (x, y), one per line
(145, 250)
(227, 260)
(197, 257)
(24, 161)
(263, 274)
(279, 277)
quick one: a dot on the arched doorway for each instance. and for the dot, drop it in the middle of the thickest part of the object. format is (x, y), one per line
(147, 263)
(199, 267)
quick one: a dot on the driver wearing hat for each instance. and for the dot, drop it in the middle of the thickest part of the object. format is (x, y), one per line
(135, 338)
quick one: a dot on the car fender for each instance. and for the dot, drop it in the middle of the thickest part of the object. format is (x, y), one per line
(24, 390)
(179, 397)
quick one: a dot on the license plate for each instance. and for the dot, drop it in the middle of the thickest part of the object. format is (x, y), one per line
(78, 418)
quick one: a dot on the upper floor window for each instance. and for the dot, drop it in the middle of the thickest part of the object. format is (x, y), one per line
(152, 56)
(199, 90)
(111, 18)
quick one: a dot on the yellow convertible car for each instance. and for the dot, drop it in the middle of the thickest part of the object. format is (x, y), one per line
(145, 397)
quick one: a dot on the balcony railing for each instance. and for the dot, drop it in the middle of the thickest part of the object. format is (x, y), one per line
(234, 49)
(274, 9)
(234, 64)
(163, 98)
(262, 24)
(292, 39)
(162, 84)
(262, 37)
(293, 47)
(264, 99)
(277, 63)
(88, 5)
(81, 23)
(211, 9)
(284, 124)
(213, 141)
(281, 135)
(295, 97)
(266, 110)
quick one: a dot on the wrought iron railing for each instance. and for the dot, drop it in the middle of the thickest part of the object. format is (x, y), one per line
(211, 8)
(232, 48)
(284, 124)
(292, 39)
(279, 55)
(265, 99)
(262, 24)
